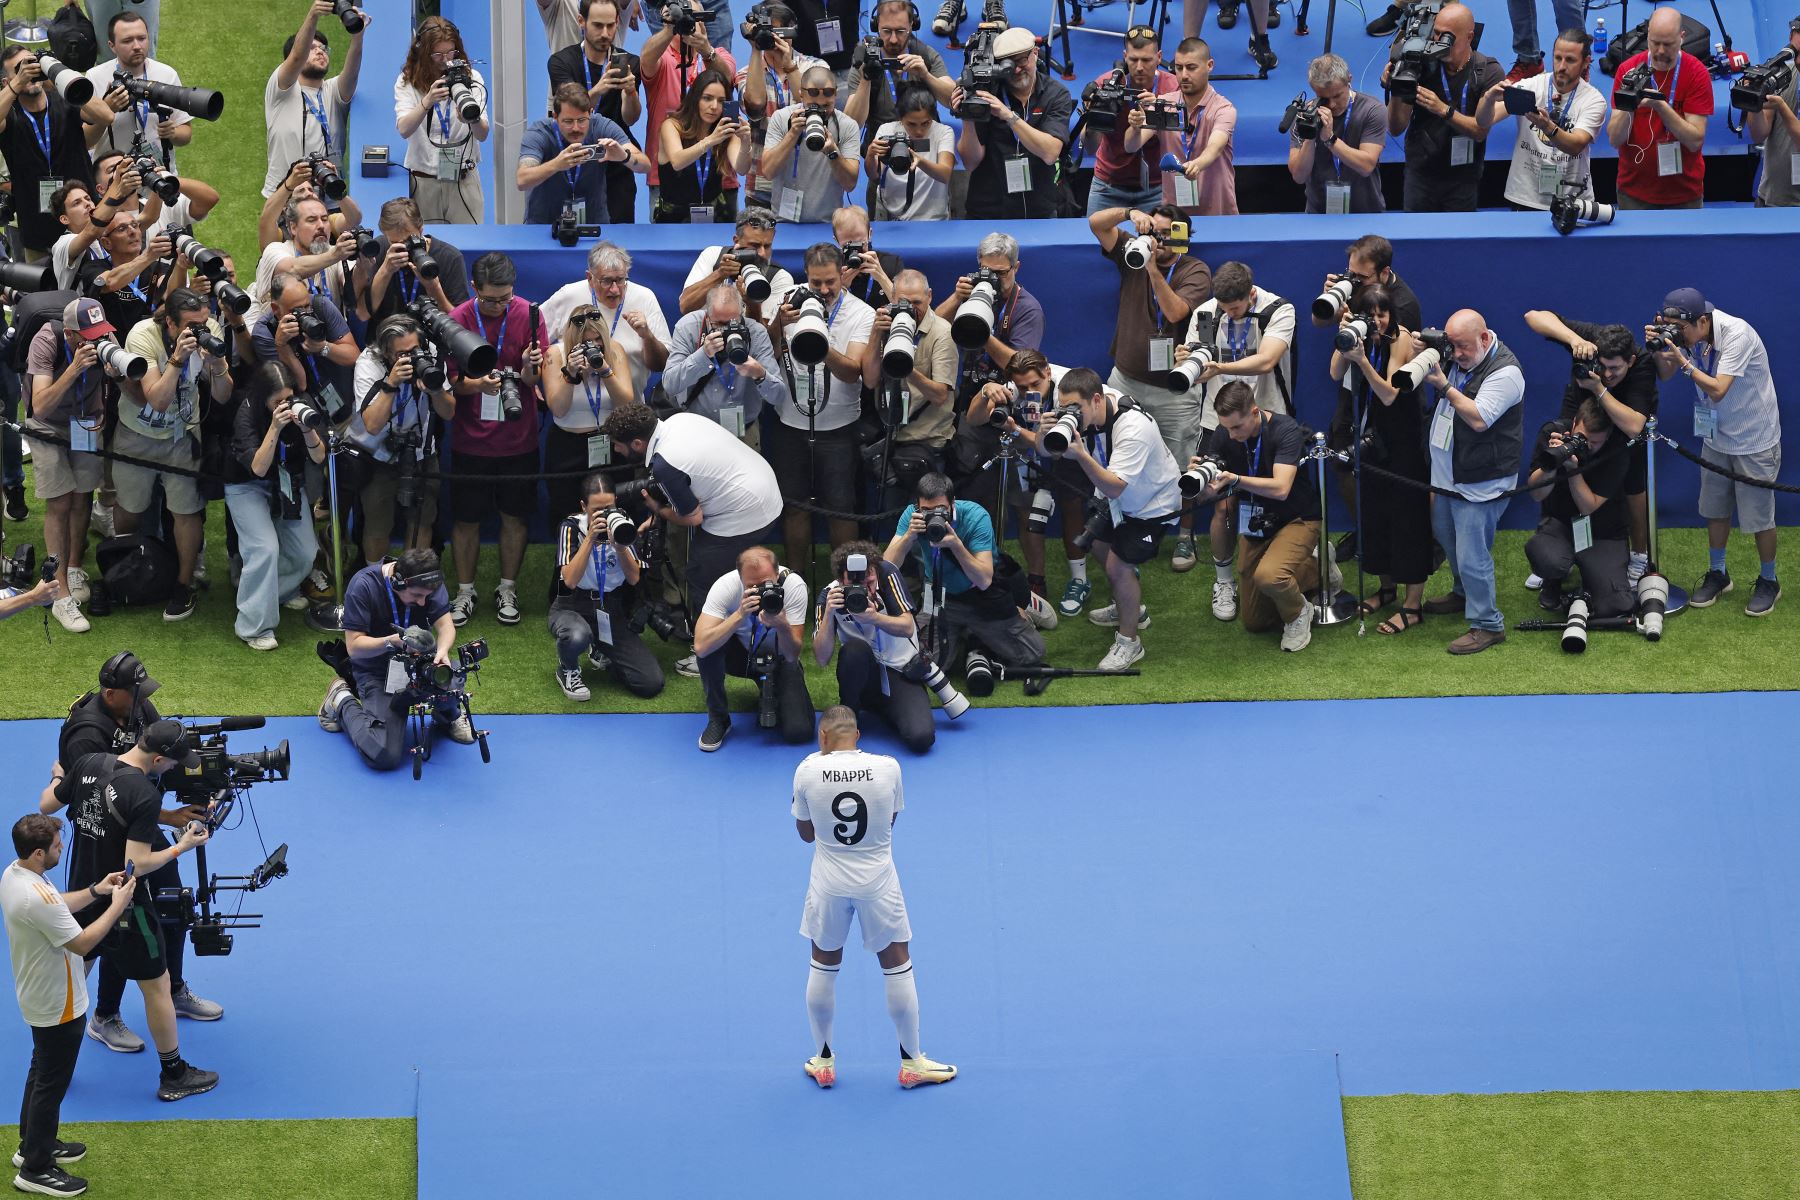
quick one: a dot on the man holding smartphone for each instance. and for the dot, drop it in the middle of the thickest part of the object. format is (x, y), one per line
(1560, 115)
(560, 160)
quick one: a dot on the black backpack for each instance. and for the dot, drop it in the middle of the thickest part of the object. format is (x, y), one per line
(1696, 39)
(137, 570)
(72, 38)
(30, 315)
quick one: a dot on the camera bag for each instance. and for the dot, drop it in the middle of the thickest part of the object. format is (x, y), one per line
(72, 38)
(1696, 39)
(137, 569)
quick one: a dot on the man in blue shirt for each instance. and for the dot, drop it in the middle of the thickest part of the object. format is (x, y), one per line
(560, 160)
(979, 612)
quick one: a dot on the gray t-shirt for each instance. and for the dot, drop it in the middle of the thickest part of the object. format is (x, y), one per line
(1365, 123)
(807, 172)
(1781, 159)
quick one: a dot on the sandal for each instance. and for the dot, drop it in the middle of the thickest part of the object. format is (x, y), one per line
(1406, 618)
(1380, 600)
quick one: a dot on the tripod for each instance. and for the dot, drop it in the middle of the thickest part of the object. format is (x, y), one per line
(329, 617)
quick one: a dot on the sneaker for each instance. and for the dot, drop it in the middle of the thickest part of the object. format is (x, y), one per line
(1228, 14)
(78, 585)
(571, 685)
(462, 607)
(16, 508)
(1385, 24)
(1763, 595)
(1184, 558)
(111, 1033)
(1123, 653)
(1297, 633)
(62, 1154)
(200, 578)
(1274, 15)
(823, 1070)
(1634, 570)
(1109, 616)
(294, 603)
(100, 520)
(1224, 601)
(193, 1007)
(68, 614)
(506, 606)
(181, 604)
(914, 1071)
(1533, 582)
(713, 736)
(1713, 584)
(328, 707)
(52, 1181)
(1074, 597)
(460, 729)
(1522, 70)
(1550, 597)
(316, 587)
(688, 666)
(1262, 55)
(262, 641)
(1348, 547)
(191, 1082)
(1039, 612)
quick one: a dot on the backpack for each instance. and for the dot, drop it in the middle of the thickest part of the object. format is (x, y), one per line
(1696, 39)
(72, 38)
(30, 315)
(137, 570)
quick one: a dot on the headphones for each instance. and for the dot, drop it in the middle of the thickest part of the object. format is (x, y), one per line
(391, 331)
(122, 671)
(912, 10)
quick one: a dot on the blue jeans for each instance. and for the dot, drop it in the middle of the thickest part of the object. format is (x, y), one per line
(1103, 195)
(277, 555)
(720, 28)
(1523, 15)
(1465, 529)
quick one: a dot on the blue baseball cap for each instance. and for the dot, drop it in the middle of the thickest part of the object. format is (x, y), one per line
(1685, 304)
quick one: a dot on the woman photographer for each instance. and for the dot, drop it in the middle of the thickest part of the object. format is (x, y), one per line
(1395, 531)
(590, 608)
(580, 392)
(700, 154)
(922, 192)
(442, 151)
(275, 533)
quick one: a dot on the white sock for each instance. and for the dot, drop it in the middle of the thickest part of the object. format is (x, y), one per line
(509, 585)
(1078, 569)
(903, 1006)
(1222, 570)
(465, 589)
(821, 1003)
(1640, 556)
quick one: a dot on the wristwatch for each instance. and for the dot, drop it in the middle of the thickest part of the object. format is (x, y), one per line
(92, 892)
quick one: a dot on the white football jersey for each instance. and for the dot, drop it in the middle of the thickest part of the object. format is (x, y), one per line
(851, 797)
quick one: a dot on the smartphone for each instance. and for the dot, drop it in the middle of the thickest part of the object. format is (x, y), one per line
(731, 111)
(1520, 101)
(130, 868)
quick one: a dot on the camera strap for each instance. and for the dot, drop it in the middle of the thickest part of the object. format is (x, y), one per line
(40, 131)
(318, 114)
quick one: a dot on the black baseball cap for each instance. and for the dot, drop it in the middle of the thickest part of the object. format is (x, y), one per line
(124, 672)
(1686, 304)
(169, 739)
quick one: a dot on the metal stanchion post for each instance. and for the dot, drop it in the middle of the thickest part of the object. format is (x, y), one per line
(1334, 605)
(1678, 597)
(329, 618)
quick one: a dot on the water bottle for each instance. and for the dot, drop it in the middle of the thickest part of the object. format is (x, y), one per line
(1600, 38)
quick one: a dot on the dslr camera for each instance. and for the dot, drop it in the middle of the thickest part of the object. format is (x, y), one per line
(899, 350)
(326, 177)
(163, 183)
(683, 20)
(1572, 444)
(459, 77)
(939, 523)
(512, 406)
(1186, 374)
(1569, 208)
(310, 325)
(1664, 335)
(23, 573)
(808, 336)
(973, 322)
(1302, 117)
(1418, 48)
(758, 29)
(753, 273)
(1063, 431)
(736, 335)
(1202, 475)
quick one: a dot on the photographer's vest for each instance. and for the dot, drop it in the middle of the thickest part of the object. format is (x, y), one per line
(1492, 453)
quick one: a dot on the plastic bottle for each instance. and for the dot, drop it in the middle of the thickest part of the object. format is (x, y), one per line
(1600, 38)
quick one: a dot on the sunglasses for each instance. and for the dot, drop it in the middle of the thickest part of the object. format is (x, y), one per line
(1142, 32)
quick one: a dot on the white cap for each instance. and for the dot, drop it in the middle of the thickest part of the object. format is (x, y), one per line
(1013, 41)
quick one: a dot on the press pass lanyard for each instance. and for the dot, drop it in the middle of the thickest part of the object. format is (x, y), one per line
(40, 130)
(1156, 309)
(398, 608)
(317, 114)
(499, 342)
(594, 399)
(1465, 376)
(574, 174)
(1462, 93)
(1237, 347)
(617, 312)
(1674, 79)
(600, 553)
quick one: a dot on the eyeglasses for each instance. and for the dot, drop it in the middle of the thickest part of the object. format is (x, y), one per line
(494, 302)
(613, 281)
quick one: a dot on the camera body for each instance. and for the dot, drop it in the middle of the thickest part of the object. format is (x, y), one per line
(757, 28)
(899, 157)
(1301, 116)
(1163, 116)
(308, 414)
(683, 20)
(940, 522)
(736, 335)
(207, 261)
(1585, 368)
(1140, 251)
(429, 681)
(222, 771)
(753, 273)
(205, 339)
(1664, 335)
(1628, 91)
(22, 571)
(1330, 303)
(1572, 444)
(981, 72)
(1186, 374)
(818, 127)
(428, 371)
(418, 256)
(326, 177)
(310, 325)
(621, 530)
(1105, 101)
(1569, 208)
(1063, 431)
(368, 245)
(771, 597)
(973, 322)
(1418, 48)
(1752, 90)
(855, 255)
(1201, 476)
(512, 405)
(459, 77)
(808, 335)
(164, 184)
(899, 350)
(1351, 334)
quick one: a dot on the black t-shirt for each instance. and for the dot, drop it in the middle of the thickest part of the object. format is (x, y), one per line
(1048, 110)
(372, 607)
(1604, 476)
(811, 13)
(25, 163)
(867, 290)
(1637, 391)
(90, 729)
(1428, 137)
(1407, 313)
(1282, 441)
(404, 287)
(572, 65)
(109, 804)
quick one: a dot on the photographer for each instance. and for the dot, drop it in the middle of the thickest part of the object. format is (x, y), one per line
(380, 603)
(1011, 153)
(589, 609)
(979, 611)
(1660, 136)
(1582, 523)
(1019, 317)
(809, 184)
(920, 191)
(885, 65)
(309, 336)
(1155, 302)
(145, 271)
(390, 420)
(714, 17)
(1445, 144)
(310, 252)
(1138, 494)
(881, 666)
(128, 37)
(303, 111)
(868, 273)
(929, 417)
(269, 509)
(670, 65)
(586, 375)
(752, 239)
(44, 140)
(1272, 517)
(1610, 369)
(1127, 158)
(442, 150)
(389, 282)
(1205, 185)
(703, 380)
(1338, 164)
(565, 160)
(115, 808)
(1738, 419)
(634, 319)
(608, 76)
(1776, 127)
(736, 633)
(700, 153)
(1557, 135)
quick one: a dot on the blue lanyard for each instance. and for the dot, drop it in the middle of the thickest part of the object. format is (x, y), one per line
(1461, 93)
(1237, 346)
(834, 310)
(401, 403)
(1557, 110)
(42, 133)
(492, 341)
(443, 116)
(600, 554)
(1191, 134)
(775, 87)
(394, 603)
(1256, 460)
(1156, 305)
(1674, 79)
(409, 284)
(594, 398)
(574, 174)
(703, 168)
(1470, 373)
(318, 114)
(617, 312)
(728, 374)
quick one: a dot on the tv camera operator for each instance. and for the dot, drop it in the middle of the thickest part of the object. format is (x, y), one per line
(1445, 144)
(589, 607)
(750, 627)
(1582, 522)
(1011, 142)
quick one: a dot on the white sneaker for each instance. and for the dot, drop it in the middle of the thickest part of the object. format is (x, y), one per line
(461, 730)
(1297, 633)
(296, 603)
(1124, 652)
(68, 614)
(1041, 612)
(462, 607)
(78, 585)
(1224, 600)
(1634, 570)
(329, 720)
(689, 666)
(1109, 616)
(100, 519)
(571, 685)
(262, 641)
(1533, 582)
(1334, 575)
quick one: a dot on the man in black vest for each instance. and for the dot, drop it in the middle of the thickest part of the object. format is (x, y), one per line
(1476, 435)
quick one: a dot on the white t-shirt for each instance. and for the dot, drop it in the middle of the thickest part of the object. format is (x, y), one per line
(727, 592)
(441, 127)
(1242, 339)
(183, 413)
(562, 22)
(734, 485)
(930, 199)
(1139, 456)
(848, 320)
(1749, 419)
(178, 215)
(370, 370)
(125, 124)
(1584, 112)
(609, 557)
(66, 266)
(51, 982)
(638, 298)
(780, 282)
(292, 118)
(851, 797)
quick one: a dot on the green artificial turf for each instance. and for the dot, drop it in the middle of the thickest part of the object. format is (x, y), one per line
(235, 1160)
(1575, 1146)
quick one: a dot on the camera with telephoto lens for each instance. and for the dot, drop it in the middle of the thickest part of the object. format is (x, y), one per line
(512, 406)
(621, 530)
(428, 371)
(119, 362)
(1411, 377)
(207, 261)
(817, 127)
(808, 335)
(222, 771)
(979, 673)
(1419, 48)
(735, 334)
(1043, 505)
(23, 573)
(1097, 521)
(1202, 475)
(1754, 88)
(74, 87)
(764, 661)
(1186, 373)
(326, 177)
(1140, 251)
(760, 30)
(753, 273)
(407, 446)
(231, 297)
(1575, 626)
(1063, 431)
(1330, 303)
(938, 523)
(418, 256)
(899, 157)
(771, 597)
(1573, 444)
(1302, 117)
(628, 494)
(681, 19)
(1629, 88)
(899, 350)
(468, 348)
(922, 670)
(208, 341)
(309, 326)
(459, 77)
(1351, 334)
(981, 72)
(1105, 100)
(1569, 208)
(203, 103)
(1163, 115)
(151, 175)
(1664, 335)
(308, 414)
(346, 11)
(1653, 603)
(973, 322)
(367, 245)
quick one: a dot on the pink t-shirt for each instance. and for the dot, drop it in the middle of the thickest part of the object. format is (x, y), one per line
(663, 93)
(469, 434)
(1114, 164)
(1218, 183)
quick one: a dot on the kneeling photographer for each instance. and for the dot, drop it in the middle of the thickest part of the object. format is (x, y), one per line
(400, 382)
(590, 606)
(750, 627)
(966, 604)
(381, 604)
(1583, 520)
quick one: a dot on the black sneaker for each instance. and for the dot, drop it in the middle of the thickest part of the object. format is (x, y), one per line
(64, 1154)
(1550, 596)
(1385, 24)
(717, 726)
(1274, 15)
(191, 1082)
(1763, 595)
(181, 604)
(52, 1181)
(1228, 14)
(1259, 51)
(16, 509)
(1713, 584)
(1347, 548)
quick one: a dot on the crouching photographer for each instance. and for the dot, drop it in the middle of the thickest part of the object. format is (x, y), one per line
(750, 627)
(590, 608)
(369, 699)
(1584, 519)
(400, 382)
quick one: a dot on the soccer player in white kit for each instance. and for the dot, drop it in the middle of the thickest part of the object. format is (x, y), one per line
(853, 798)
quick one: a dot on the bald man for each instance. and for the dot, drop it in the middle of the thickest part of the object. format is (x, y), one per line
(1477, 433)
(1445, 143)
(1659, 142)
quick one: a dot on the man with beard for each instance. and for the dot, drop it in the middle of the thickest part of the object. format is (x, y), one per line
(129, 40)
(309, 254)
(304, 112)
